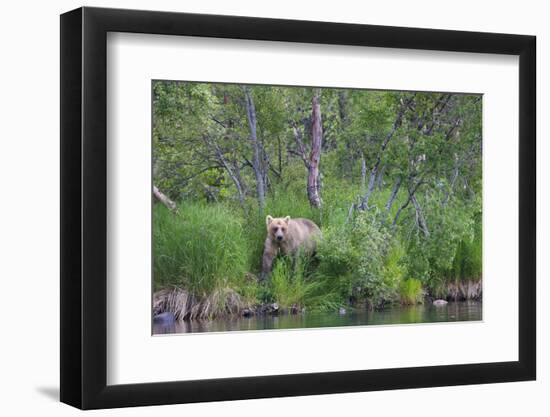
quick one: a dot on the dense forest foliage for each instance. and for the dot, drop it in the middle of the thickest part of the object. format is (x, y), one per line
(393, 179)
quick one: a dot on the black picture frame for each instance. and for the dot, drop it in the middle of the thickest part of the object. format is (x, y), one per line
(84, 207)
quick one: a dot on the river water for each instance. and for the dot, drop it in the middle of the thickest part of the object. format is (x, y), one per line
(424, 313)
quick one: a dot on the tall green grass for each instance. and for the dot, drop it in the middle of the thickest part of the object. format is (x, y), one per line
(288, 283)
(467, 262)
(411, 292)
(293, 283)
(200, 248)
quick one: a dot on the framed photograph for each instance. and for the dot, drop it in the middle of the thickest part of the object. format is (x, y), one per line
(256, 208)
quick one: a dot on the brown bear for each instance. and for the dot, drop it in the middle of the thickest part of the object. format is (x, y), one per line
(286, 236)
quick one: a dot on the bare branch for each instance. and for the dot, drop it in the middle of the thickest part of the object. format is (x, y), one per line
(164, 199)
(374, 171)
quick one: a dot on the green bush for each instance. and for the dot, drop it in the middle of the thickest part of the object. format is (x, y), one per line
(353, 255)
(449, 249)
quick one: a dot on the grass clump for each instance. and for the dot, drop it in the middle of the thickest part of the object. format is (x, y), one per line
(201, 248)
(411, 292)
(467, 262)
(295, 284)
(288, 284)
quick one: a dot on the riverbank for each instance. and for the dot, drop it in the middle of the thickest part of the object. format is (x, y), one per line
(397, 314)
(225, 303)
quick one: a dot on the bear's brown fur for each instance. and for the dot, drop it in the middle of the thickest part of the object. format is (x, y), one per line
(286, 236)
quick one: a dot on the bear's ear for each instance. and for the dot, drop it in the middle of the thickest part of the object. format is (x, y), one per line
(287, 219)
(268, 220)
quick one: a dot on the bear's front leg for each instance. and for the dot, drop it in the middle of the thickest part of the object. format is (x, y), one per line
(267, 260)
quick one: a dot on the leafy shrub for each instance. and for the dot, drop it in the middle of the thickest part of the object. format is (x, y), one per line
(353, 254)
(435, 259)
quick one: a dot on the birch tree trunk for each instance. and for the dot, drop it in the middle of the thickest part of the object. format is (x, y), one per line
(313, 178)
(393, 194)
(409, 199)
(420, 219)
(235, 177)
(256, 149)
(456, 171)
(363, 174)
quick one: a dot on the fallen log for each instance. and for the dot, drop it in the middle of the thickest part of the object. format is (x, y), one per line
(164, 199)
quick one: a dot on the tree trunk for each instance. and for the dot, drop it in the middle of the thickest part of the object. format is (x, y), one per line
(313, 178)
(380, 177)
(256, 149)
(456, 171)
(363, 174)
(164, 199)
(420, 219)
(409, 199)
(280, 156)
(300, 144)
(372, 180)
(343, 106)
(234, 177)
(393, 194)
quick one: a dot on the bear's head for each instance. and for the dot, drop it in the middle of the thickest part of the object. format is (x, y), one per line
(277, 227)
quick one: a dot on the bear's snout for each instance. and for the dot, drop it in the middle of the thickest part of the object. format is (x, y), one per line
(280, 237)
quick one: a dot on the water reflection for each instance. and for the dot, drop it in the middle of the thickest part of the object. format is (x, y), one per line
(427, 313)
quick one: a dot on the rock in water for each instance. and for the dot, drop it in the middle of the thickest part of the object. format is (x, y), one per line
(440, 302)
(164, 318)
